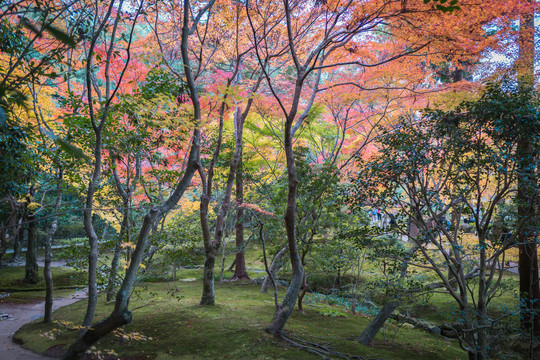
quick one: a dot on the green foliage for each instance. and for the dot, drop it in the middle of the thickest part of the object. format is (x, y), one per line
(17, 160)
(159, 81)
(20, 46)
(445, 5)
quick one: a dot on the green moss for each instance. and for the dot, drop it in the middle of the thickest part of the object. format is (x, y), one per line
(181, 329)
(11, 278)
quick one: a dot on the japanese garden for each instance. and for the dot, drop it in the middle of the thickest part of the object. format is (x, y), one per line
(258, 179)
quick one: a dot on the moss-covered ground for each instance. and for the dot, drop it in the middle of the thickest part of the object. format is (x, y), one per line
(170, 325)
(65, 281)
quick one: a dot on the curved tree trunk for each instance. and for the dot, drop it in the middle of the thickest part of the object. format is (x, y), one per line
(121, 314)
(274, 268)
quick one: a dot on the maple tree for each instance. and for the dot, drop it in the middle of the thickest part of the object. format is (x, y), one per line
(276, 104)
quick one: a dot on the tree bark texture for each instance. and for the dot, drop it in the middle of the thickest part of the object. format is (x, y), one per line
(377, 323)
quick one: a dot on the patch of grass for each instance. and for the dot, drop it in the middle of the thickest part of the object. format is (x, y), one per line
(24, 297)
(11, 279)
(176, 327)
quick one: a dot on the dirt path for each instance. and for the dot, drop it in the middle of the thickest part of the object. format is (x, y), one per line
(20, 315)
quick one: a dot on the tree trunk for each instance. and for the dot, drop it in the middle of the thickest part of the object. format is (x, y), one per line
(529, 286)
(121, 315)
(31, 268)
(377, 323)
(223, 258)
(116, 258)
(285, 309)
(17, 245)
(274, 268)
(11, 228)
(240, 271)
(211, 248)
(48, 253)
(91, 234)
(114, 269)
(208, 297)
(302, 294)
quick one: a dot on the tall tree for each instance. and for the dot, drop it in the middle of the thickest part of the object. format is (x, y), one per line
(121, 314)
(527, 194)
(111, 19)
(240, 271)
(314, 39)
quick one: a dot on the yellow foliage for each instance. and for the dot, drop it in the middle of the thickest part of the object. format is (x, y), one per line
(34, 206)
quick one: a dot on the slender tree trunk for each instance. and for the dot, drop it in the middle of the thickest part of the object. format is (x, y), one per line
(482, 318)
(223, 258)
(304, 287)
(48, 252)
(274, 268)
(302, 294)
(92, 236)
(121, 314)
(240, 271)
(31, 268)
(456, 220)
(14, 228)
(285, 309)
(116, 259)
(211, 249)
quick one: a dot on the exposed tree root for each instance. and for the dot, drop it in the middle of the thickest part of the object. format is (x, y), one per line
(319, 349)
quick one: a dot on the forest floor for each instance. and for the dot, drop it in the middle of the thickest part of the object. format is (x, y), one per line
(169, 324)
